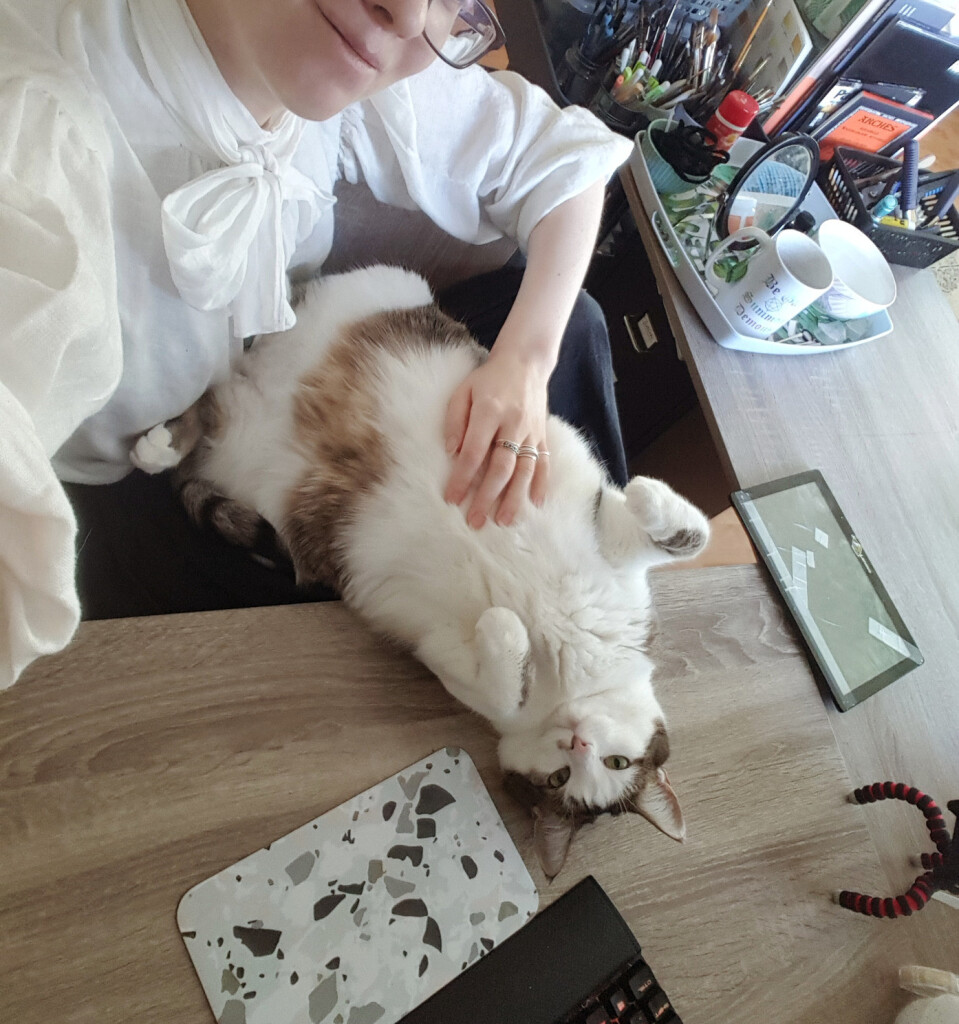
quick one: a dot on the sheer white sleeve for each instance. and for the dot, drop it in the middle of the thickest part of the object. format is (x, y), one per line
(60, 351)
(485, 155)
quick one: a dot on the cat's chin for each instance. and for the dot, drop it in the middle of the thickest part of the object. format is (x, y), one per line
(532, 751)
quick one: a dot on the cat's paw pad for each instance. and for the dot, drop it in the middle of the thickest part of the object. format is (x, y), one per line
(671, 522)
(154, 451)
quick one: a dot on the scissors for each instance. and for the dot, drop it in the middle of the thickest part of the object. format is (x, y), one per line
(690, 150)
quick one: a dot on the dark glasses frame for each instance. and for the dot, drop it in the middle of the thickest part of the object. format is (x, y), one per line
(498, 40)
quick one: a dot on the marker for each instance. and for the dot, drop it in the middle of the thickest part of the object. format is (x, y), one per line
(910, 183)
(657, 91)
(883, 208)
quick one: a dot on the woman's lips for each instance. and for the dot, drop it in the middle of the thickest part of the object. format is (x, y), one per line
(355, 45)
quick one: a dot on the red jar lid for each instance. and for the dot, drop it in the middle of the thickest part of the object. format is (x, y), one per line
(738, 109)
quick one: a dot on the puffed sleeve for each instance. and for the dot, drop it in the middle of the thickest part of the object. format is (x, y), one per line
(60, 350)
(485, 155)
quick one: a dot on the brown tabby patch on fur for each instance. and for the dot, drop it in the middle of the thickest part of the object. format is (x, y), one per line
(335, 417)
(685, 542)
(203, 419)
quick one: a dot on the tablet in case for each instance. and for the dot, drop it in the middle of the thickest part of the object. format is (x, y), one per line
(853, 630)
(358, 916)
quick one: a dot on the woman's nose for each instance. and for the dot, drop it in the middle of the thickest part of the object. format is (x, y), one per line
(406, 18)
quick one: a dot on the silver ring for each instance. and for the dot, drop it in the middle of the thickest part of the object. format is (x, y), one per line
(542, 451)
(512, 445)
(527, 451)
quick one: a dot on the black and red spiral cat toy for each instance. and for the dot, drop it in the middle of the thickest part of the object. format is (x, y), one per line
(942, 867)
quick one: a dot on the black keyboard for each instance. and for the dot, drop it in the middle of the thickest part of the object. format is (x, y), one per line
(576, 962)
(631, 995)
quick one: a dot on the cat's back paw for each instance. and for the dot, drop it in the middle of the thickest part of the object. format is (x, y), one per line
(154, 451)
(672, 523)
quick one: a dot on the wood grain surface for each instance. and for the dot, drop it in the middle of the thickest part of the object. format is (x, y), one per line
(153, 752)
(881, 421)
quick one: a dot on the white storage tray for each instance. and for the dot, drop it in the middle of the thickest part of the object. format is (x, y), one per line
(877, 325)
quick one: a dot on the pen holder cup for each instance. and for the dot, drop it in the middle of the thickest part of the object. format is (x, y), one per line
(665, 180)
(579, 78)
(902, 246)
(614, 115)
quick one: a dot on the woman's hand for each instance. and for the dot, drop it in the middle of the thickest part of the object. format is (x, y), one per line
(504, 399)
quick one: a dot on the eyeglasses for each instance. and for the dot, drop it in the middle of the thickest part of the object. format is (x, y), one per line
(462, 31)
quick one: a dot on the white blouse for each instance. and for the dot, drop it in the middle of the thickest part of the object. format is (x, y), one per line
(148, 225)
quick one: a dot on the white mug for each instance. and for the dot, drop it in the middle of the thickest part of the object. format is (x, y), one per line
(783, 276)
(863, 282)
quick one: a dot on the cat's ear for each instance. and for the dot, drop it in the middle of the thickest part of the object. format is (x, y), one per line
(552, 835)
(552, 832)
(648, 520)
(657, 803)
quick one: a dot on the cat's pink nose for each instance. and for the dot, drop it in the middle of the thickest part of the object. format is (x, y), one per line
(579, 746)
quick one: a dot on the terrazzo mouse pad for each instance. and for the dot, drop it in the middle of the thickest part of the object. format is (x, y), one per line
(363, 913)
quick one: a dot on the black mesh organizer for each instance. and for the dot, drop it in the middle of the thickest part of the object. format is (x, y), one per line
(917, 248)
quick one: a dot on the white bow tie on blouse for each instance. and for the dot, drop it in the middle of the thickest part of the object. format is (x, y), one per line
(230, 233)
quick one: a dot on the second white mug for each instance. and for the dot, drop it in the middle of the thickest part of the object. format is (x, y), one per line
(785, 274)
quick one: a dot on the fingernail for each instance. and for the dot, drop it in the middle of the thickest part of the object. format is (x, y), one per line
(504, 519)
(476, 520)
(451, 445)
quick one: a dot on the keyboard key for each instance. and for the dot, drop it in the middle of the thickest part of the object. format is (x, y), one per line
(618, 1001)
(639, 1017)
(658, 1005)
(598, 1016)
(641, 981)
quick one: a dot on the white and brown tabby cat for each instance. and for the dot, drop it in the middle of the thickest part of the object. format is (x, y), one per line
(333, 433)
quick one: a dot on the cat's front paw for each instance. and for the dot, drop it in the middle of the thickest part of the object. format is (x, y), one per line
(672, 523)
(154, 451)
(502, 646)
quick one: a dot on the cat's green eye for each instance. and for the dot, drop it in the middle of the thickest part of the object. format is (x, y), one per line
(616, 761)
(559, 778)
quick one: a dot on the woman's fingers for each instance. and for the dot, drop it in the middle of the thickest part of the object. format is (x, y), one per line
(494, 422)
(500, 470)
(540, 484)
(524, 479)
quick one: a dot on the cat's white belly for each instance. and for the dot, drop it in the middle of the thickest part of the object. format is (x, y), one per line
(416, 566)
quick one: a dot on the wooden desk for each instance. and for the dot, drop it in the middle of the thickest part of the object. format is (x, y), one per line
(882, 423)
(153, 752)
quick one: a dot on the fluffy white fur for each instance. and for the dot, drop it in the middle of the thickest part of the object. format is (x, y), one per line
(539, 626)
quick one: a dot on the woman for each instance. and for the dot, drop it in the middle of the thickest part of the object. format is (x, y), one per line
(165, 165)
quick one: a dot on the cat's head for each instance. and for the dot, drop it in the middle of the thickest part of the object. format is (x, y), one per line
(603, 754)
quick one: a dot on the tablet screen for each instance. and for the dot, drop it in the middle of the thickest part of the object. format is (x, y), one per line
(854, 631)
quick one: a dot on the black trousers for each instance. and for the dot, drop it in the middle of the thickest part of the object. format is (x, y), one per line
(138, 554)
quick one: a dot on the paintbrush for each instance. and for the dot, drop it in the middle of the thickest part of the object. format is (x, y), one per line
(712, 40)
(754, 74)
(749, 39)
